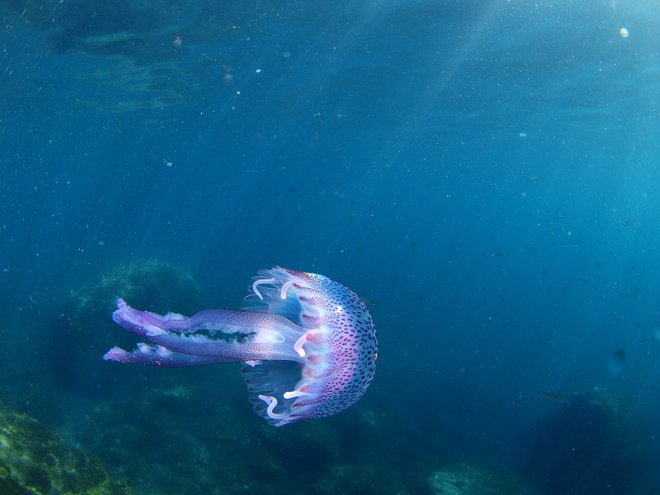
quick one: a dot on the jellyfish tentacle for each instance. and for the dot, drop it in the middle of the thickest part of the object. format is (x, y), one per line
(262, 281)
(285, 288)
(159, 356)
(217, 336)
(272, 404)
(310, 337)
(294, 393)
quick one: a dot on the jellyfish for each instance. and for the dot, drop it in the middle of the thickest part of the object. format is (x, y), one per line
(307, 343)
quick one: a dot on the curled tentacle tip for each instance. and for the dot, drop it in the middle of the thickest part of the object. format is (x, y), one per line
(293, 394)
(284, 288)
(298, 346)
(256, 291)
(272, 404)
(258, 282)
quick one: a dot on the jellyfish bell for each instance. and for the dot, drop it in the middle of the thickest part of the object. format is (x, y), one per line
(307, 342)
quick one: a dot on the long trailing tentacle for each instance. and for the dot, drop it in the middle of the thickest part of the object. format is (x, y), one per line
(212, 335)
(161, 356)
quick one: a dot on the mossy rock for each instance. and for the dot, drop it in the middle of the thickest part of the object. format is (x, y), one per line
(82, 328)
(466, 479)
(34, 461)
(10, 487)
(150, 284)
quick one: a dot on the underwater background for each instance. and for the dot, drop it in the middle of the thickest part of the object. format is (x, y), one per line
(484, 174)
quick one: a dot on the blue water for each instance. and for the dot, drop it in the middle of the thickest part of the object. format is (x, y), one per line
(483, 173)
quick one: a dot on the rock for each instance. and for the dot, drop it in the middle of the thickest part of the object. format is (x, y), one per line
(465, 479)
(33, 461)
(593, 443)
(82, 330)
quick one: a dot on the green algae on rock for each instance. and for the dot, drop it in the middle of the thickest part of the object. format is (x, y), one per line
(466, 479)
(152, 284)
(33, 461)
